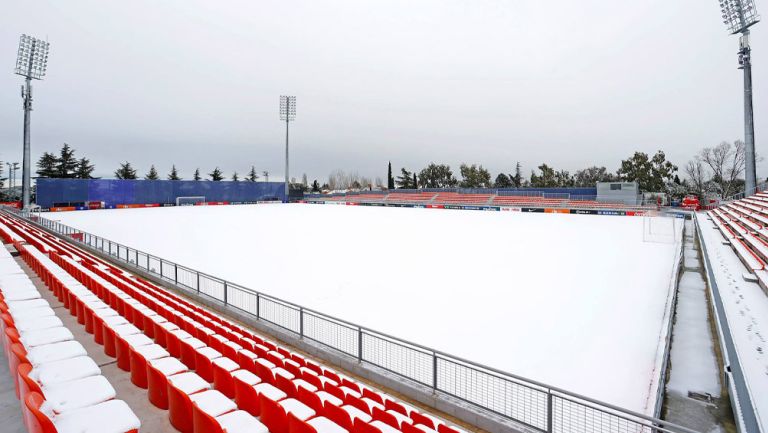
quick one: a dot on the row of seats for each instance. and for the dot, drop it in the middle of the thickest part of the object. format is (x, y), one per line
(743, 224)
(60, 386)
(286, 391)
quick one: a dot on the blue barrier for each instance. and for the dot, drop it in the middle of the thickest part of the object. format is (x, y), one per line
(70, 192)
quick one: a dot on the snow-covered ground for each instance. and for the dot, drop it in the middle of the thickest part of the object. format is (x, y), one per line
(576, 301)
(746, 310)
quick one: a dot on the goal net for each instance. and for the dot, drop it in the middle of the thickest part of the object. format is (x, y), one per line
(189, 201)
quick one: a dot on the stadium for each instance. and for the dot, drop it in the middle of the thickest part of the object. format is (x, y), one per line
(632, 302)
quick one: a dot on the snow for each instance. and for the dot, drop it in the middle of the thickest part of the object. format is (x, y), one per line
(77, 394)
(38, 323)
(297, 408)
(576, 301)
(693, 357)
(188, 383)
(241, 422)
(212, 402)
(39, 337)
(65, 370)
(168, 366)
(55, 352)
(113, 416)
(746, 310)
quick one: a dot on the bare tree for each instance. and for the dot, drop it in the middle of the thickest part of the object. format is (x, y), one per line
(697, 175)
(727, 163)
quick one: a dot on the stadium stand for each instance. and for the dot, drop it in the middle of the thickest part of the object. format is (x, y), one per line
(744, 223)
(211, 374)
(459, 198)
(61, 387)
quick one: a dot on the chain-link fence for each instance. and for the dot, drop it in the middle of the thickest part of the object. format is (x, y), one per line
(540, 407)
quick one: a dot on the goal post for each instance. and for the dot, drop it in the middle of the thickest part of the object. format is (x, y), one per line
(189, 201)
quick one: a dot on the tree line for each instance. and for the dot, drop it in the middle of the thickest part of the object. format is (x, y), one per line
(65, 165)
(652, 173)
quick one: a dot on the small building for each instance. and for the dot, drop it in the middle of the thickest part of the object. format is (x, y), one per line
(619, 192)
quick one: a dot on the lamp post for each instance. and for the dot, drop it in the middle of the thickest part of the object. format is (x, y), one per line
(739, 16)
(287, 114)
(31, 63)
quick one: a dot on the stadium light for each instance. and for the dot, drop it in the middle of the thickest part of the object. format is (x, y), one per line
(738, 16)
(31, 63)
(287, 114)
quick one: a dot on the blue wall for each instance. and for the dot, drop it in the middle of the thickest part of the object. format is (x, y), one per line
(63, 192)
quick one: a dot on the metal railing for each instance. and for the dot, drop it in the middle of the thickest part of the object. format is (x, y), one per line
(536, 405)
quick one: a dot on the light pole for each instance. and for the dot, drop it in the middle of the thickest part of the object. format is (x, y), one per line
(31, 63)
(288, 114)
(739, 16)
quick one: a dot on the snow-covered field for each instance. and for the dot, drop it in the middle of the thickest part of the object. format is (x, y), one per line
(576, 301)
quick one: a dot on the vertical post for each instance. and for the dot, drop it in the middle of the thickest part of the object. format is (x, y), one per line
(287, 188)
(225, 292)
(359, 344)
(434, 371)
(745, 60)
(137, 258)
(550, 424)
(258, 304)
(301, 322)
(176, 274)
(198, 281)
(25, 176)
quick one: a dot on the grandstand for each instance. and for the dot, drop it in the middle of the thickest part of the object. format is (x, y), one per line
(532, 199)
(735, 240)
(210, 373)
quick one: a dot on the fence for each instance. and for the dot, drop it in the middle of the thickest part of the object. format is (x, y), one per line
(536, 405)
(67, 192)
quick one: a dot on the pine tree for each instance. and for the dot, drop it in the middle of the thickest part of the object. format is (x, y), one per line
(252, 176)
(46, 165)
(216, 175)
(84, 169)
(125, 171)
(174, 175)
(390, 179)
(152, 175)
(517, 179)
(315, 186)
(66, 163)
(404, 180)
(235, 178)
(197, 174)
(415, 183)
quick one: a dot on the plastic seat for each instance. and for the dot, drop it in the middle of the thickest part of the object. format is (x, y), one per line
(158, 372)
(273, 415)
(422, 419)
(246, 396)
(204, 357)
(364, 427)
(339, 416)
(188, 348)
(385, 417)
(232, 422)
(180, 387)
(89, 419)
(123, 348)
(322, 424)
(139, 358)
(223, 368)
(247, 360)
(206, 406)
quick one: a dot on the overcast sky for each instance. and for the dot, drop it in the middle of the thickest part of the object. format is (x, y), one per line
(197, 83)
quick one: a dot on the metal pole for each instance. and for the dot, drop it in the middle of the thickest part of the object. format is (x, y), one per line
(750, 183)
(286, 152)
(26, 177)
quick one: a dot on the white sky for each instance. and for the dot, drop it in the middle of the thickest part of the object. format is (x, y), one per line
(196, 83)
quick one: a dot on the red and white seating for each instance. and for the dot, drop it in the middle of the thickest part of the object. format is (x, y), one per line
(212, 374)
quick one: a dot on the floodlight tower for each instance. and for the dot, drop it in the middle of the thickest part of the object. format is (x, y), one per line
(288, 114)
(31, 63)
(739, 16)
